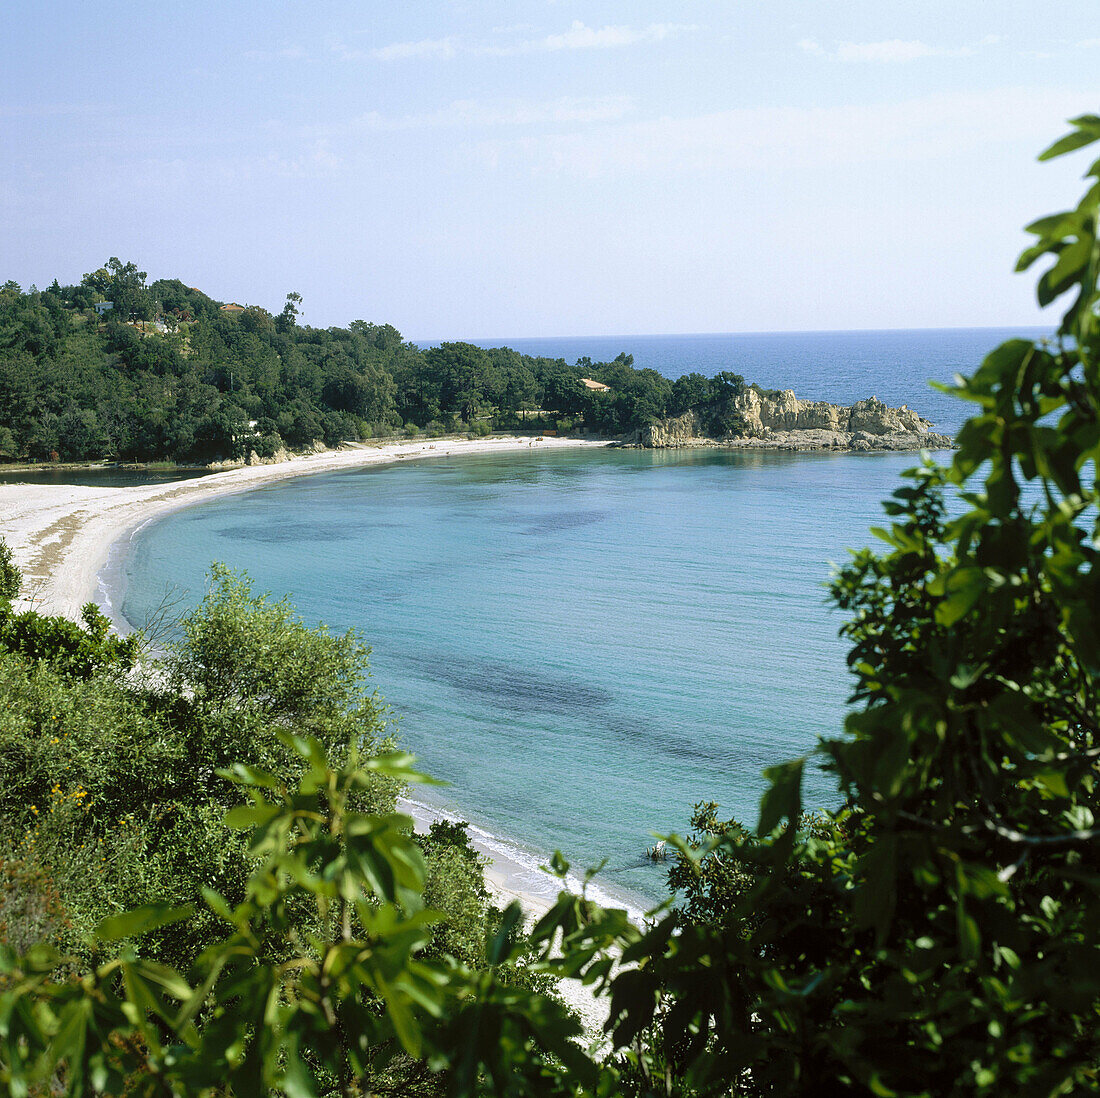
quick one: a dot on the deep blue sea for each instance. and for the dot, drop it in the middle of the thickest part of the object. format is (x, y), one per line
(586, 643)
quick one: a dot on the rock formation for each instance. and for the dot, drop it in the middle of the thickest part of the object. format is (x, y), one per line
(783, 422)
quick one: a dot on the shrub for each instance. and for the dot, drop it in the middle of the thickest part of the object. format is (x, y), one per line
(11, 579)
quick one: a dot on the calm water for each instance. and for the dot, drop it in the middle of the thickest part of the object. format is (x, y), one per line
(105, 477)
(585, 643)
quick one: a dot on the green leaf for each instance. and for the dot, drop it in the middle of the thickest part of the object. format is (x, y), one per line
(1087, 132)
(783, 798)
(141, 920)
(499, 949)
(246, 816)
(970, 937)
(243, 774)
(1066, 272)
(963, 587)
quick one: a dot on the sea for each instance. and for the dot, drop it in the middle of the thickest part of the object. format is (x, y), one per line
(584, 644)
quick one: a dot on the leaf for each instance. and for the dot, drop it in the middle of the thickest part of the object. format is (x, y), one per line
(963, 587)
(1087, 132)
(876, 897)
(69, 1040)
(558, 865)
(1072, 260)
(246, 816)
(298, 1080)
(498, 950)
(783, 798)
(131, 924)
(970, 937)
(243, 774)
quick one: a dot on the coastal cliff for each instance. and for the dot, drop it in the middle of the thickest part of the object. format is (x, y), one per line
(755, 418)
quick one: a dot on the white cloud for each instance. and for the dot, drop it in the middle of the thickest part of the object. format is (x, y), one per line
(890, 51)
(791, 139)
(579, 36)
(473, 113)
(895, 50)
(427, 47)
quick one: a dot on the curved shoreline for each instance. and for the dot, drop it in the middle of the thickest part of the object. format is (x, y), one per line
(63, 537)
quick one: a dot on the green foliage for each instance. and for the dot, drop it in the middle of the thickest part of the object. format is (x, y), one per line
(70, 649)
(201, 385)
(111, 787)
(11, 579)
(348, 1008)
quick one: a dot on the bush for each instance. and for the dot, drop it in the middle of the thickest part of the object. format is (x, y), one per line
(65, 645)
(11, 579)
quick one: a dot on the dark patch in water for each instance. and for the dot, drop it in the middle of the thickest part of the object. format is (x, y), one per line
(513, 688)
(284, 532)
(557, 521)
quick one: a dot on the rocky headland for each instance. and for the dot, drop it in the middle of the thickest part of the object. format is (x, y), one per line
(780, 421)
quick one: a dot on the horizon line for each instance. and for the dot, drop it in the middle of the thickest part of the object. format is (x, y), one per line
(418, 341)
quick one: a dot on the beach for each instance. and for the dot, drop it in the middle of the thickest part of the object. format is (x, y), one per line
(61, 537)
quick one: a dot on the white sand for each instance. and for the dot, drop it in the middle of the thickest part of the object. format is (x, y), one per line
(61, 537)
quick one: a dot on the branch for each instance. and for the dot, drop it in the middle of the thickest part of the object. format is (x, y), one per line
(1080, 837)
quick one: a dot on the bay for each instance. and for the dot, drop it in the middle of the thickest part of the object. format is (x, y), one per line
(585, 643)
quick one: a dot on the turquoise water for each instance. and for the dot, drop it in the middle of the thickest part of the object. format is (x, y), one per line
(584, 643)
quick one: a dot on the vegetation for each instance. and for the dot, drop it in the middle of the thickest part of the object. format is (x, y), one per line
(935, 935)
(166, 374)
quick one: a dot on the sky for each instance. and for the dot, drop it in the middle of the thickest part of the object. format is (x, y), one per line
(542, 167)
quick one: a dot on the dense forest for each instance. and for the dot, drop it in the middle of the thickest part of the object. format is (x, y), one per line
(168, 374)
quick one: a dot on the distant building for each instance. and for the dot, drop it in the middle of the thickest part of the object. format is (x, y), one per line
(595, 386)
(233, 307)
(102, 306)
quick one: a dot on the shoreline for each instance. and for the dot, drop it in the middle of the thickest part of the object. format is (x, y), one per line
(64, 538)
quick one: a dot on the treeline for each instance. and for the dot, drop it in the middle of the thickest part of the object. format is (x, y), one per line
(166, 373)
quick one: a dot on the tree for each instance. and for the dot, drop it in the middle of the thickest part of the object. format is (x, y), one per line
(124, 285)
(288, 318)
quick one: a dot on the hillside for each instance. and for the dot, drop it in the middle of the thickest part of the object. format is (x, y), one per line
(114, 369)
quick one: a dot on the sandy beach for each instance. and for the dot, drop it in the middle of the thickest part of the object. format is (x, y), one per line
(61, 537)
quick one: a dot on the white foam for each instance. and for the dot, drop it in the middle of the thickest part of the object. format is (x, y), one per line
(523, 870)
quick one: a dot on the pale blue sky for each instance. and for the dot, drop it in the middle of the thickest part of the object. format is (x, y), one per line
(542, 167)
